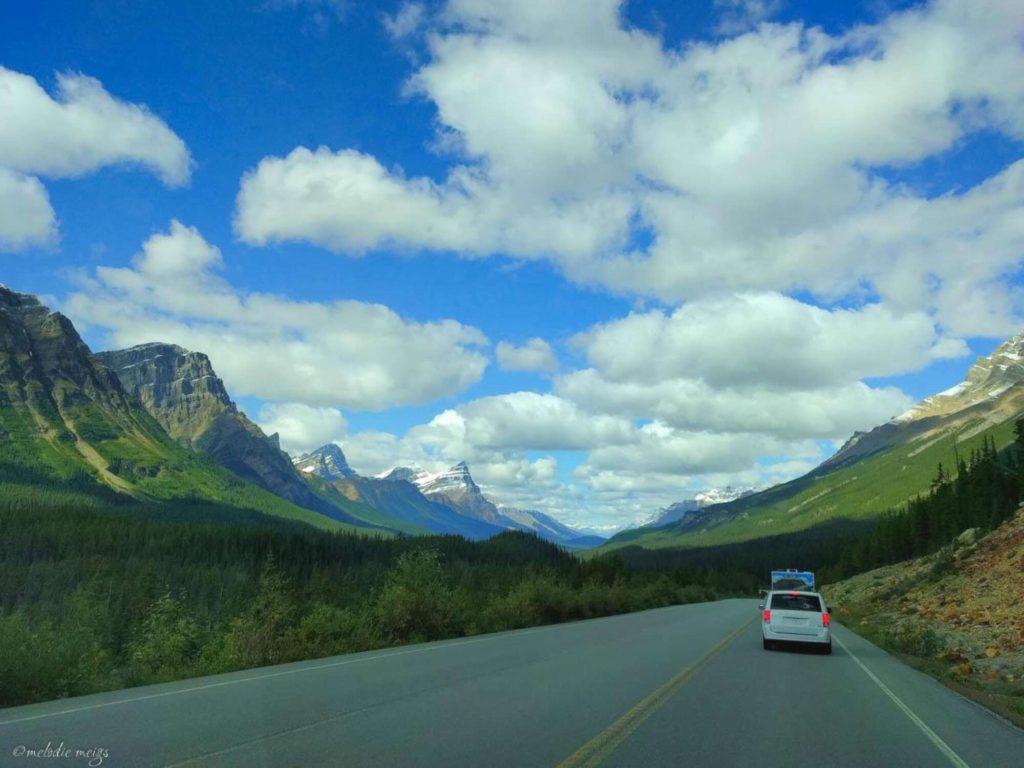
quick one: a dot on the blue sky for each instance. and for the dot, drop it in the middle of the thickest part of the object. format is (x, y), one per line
(609, 254)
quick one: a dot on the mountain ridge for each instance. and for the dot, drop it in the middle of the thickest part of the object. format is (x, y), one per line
(873, 471)
(68, 424)
(180, 389)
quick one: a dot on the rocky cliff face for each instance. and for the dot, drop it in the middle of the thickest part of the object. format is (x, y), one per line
(991, 393)
(988, 379)
(393, 494)
(57, 402)
(179, 388)
(44, 362)
(456, 488)
(183, 393)
(328, 462)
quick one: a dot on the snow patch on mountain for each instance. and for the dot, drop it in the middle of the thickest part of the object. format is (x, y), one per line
(707, 498)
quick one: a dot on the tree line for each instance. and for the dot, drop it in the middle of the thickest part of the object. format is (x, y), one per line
(99, 591)
(95, 598)
(982, 491)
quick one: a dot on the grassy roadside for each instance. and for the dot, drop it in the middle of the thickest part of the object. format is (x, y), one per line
(956, 614)
(924, 650)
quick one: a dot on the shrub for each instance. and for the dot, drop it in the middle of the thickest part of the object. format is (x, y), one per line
(263, 634)
(166, 644)
(416, 602)
(913, 640)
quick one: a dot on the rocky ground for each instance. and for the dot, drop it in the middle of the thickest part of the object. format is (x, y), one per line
(959, 613)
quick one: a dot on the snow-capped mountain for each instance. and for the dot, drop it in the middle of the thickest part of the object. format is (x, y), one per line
(703, 499)
(455, 488)
(328, 461)
(454, 480)
(990, 394)
(987, 379)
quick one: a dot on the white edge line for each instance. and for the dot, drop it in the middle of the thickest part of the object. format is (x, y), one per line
(954, 758)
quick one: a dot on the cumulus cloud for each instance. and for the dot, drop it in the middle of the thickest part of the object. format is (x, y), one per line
(768, 340)
(80, 130)
(346, 354)
(26, 217)
(302, 428)
(828, 413)
(759, 162)
(534, 355)
(744, 390)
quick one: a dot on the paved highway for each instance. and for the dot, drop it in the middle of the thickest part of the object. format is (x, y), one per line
(688, 685)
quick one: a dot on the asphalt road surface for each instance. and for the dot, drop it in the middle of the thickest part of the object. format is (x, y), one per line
(684, 686)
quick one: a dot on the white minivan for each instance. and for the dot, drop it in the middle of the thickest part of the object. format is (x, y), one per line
(795, 617)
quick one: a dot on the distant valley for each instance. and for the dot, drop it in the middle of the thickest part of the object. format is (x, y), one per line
(873, 472)
(155, 423)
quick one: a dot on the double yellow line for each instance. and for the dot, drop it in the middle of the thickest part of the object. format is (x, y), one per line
(595, 751)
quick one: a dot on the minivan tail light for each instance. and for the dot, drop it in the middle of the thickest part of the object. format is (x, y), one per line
(825, 620)
(767, 616)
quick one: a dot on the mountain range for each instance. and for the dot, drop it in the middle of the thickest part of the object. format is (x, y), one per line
(180, 389)
(72, 433)
(676, 512)
(444, 502)
(873, 471)
(155, 424)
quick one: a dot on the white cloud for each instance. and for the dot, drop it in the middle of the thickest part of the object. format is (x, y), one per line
(534, 355)
(302, 428)
(80, 131)
(347, 201)
(766, 340)
(346, 354)
(746, 390)
(26, 217)
(760, 162)
(661, 449)
(828, 413)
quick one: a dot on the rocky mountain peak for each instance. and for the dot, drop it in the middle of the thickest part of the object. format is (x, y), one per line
(456, 479)
(706, 498)
(181, 390)
(988, 379)
(42, 348)
(327, 461)
(408, 474)
(176, 385)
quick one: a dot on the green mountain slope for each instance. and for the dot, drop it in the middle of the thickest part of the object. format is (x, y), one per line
(873, 472)
(180, 389)
(68, 429)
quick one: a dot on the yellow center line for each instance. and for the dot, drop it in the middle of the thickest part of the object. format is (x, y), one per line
(594, 752)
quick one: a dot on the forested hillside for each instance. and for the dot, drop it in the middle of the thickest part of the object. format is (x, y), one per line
(93, 600)
(979, 490)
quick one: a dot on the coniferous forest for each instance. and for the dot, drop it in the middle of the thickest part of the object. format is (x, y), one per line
(98, 596)
(99, 591)
(982, 491)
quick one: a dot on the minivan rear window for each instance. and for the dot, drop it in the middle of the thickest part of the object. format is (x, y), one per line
(784, 602)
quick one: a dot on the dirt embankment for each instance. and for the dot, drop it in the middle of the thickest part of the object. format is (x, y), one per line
(958, 614)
